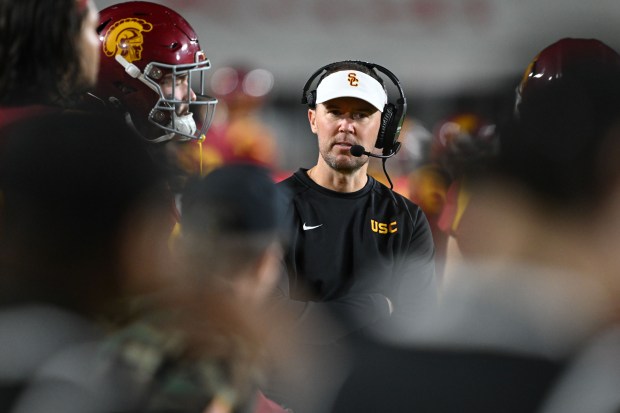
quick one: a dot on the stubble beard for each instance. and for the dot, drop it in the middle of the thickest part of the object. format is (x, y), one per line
(342, 163)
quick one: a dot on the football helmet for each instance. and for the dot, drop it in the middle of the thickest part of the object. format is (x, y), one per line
(568, 57)
(151, 64)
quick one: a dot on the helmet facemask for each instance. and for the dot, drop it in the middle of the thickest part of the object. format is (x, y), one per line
(184, 111)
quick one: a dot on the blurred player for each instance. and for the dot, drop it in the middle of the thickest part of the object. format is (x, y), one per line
(83, 230)
(541, 279)
(49, 56)
(460, 143)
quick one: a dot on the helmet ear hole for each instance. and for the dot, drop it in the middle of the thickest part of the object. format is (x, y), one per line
(159, 117)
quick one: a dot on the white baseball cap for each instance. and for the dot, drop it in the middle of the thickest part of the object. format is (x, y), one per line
(352, 83)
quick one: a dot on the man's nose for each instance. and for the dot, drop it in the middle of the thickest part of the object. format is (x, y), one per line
(345, 124)
(188, 94)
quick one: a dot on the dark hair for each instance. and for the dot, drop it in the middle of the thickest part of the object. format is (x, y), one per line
(39, 51)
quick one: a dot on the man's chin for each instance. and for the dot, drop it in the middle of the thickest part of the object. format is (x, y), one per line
(345, 163)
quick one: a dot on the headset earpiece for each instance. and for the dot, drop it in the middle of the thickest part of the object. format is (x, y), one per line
(386, 120)
(311, 98)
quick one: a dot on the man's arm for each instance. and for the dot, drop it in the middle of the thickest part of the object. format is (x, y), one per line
(330, 321)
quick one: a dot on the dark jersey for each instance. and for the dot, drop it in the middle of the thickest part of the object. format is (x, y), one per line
(344, 245)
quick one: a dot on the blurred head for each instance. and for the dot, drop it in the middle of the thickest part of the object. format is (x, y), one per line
(574, 58)
(84, 208)
(229, 228)
(153, 66)
(50, 52)
(565, 133)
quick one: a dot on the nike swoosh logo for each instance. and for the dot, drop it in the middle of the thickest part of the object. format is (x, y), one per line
(307, 227)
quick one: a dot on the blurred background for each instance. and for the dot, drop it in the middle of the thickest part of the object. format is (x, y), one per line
(450, 55)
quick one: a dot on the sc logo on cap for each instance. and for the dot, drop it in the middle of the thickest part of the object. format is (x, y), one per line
(353, 80)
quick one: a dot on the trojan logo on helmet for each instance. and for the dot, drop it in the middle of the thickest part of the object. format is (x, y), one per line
(125, 38)
(153, 68)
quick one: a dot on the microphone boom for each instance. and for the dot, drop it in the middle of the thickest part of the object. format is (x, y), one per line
(359, 150)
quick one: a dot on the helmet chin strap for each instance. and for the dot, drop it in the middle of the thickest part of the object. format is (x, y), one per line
(184, 125)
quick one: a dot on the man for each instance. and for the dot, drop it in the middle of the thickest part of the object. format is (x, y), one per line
(229, 232)
(543, 228)
(212, 328)
(356, 250)
(49, 56)
(83, 230)
(151, 62)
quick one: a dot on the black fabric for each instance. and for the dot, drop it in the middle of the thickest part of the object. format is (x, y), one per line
(344, 253)
(9, 393)
(387, 378)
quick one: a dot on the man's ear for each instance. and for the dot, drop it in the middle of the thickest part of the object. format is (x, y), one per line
(268, 265)
(312, 120)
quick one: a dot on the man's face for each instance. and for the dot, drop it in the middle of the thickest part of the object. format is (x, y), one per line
(89, 44)
(341, 123)
(178, 88)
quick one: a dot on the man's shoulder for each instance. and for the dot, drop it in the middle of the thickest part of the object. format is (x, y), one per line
(292, 184)
(14, 114)
(286, 180)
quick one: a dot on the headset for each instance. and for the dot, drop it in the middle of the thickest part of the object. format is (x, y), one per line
(393, 114)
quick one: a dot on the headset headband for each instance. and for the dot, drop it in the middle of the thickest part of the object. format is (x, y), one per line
(386, 72)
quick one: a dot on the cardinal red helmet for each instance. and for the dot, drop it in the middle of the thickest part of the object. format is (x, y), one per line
(151, 63)
(568, 57)
(566, 107)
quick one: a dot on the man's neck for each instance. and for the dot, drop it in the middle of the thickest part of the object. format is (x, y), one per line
(350, 181)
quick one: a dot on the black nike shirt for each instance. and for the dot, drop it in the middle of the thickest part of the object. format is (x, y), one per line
(353, 244)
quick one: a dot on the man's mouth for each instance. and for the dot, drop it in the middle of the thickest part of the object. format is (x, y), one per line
(343, 145)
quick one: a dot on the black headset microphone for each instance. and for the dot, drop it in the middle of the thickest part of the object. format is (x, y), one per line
(359, 150)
